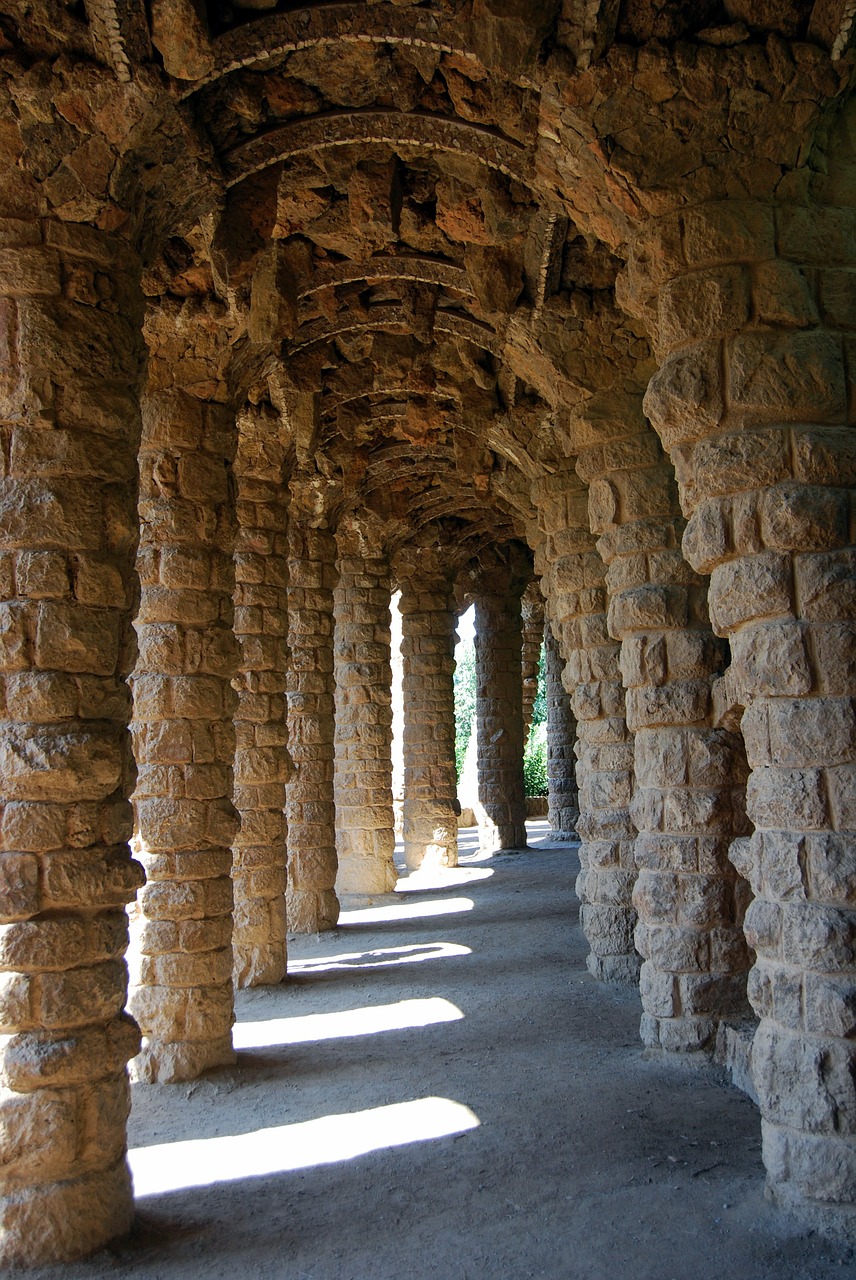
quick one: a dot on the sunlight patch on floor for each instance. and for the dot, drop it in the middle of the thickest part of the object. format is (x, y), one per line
(404, 911)
(379, 958)
(367, 1021)
(204, 1162)
(442, 878)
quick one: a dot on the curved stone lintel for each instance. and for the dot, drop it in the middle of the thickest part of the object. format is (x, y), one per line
(395, 128)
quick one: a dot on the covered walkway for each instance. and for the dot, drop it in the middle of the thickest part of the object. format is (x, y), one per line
(495, 1115)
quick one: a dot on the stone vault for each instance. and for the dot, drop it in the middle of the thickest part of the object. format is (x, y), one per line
(547, 306)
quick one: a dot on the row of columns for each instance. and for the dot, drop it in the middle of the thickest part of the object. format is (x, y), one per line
(751, 404)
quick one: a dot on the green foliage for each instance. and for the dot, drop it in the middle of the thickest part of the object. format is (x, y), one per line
(535, 761)
(465, 699)
(535, 755)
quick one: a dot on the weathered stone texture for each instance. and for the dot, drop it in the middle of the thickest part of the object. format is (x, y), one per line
(262, 762)
(184, 737)
(365, 835)
(754, 421)
(428, 647)
(69, 431)
(689, 774)
(575, 581)
(531, 645)
(499, 708)
(563, 795)
(312, 905)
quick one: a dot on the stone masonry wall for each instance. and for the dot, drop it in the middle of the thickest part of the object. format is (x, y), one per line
(365, 835)
(499, 715)
(184, 737)
(69, 429)
(689, 773)
(312, 904)
(563, 797)
(574, 578)
(262, 762)
(430, 787)
(754, 402)
(532, 640)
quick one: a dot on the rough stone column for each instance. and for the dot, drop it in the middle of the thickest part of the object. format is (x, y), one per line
(532, 640)
(754, 327)
(428, 648)
(690, 774)
(574, 576)
(365, 835)
(499, 709)
(310, 809)
(262, 762)
(70, 315)
(184, 737)
(564, 807)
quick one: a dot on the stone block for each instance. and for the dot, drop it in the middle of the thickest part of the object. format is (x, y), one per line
(750, 588)
(726, 232)
(789, 376)
(781, 296)
(684, 398)
(787, 799)
(702, 304)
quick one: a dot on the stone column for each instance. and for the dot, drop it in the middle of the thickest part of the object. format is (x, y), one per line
(428, 647)
(184, 737)
(690, 774)
(70, 315)
(499, 712)
(574, 575)
(262, 762)
(365, 834)
(532, 641)
(755, 417)
(312, 902)
(564, 808)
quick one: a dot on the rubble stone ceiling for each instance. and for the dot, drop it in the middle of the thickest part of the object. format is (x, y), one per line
(416, 212)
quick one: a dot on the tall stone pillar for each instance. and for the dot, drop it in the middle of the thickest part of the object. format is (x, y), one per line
(563, 796)
(499, 708)
(365, 834)
(575, 579)
(69, 425)
(752, 400)
(184, 737)
(428, 648)
(312, 904)
(262, 762)
(690, 774)
(532, 641)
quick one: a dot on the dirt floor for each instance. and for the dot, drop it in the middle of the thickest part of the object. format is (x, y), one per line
(494, 1116)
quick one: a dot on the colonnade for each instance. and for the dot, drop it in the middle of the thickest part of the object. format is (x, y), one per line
(698, 578)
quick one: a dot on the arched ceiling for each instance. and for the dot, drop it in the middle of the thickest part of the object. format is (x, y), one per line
(416, 212)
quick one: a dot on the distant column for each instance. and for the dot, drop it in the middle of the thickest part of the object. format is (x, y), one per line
(499, 721)
(430, 784)
(564, 804)
(312, 904)
(365, 833)
(262, 763)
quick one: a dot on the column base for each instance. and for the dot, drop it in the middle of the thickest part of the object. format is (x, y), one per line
(366, 876)
(496, 838)
(802, 1167)
(170, 1062)
(621, 970)
(261, 966)
(679, 1035)
(65, 1221)
(310, 911)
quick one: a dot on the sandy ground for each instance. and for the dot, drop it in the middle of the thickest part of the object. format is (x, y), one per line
(495, 1116)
